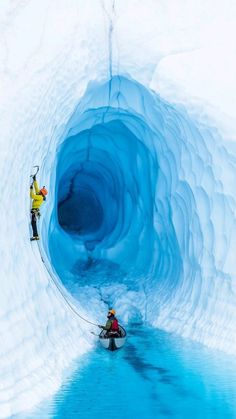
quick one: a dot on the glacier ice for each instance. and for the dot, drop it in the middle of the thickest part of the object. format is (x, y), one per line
(132, 122)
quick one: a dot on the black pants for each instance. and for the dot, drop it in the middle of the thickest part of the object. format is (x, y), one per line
(34, 223)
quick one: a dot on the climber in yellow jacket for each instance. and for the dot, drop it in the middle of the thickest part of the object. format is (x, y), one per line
(38, 196)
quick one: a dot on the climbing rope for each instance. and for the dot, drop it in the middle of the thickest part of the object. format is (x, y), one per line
(62, 293)
(55, 281)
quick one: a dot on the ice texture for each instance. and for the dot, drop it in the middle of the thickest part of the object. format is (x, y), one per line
(129, 109)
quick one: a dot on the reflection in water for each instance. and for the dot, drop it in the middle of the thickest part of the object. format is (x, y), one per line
(156, 375)
(139, 364)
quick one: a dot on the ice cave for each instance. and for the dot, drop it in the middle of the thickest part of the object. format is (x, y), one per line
(128, 108)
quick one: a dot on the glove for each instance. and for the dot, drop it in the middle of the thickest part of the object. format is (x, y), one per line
(34, 178)
(99, 325)
(31, 186)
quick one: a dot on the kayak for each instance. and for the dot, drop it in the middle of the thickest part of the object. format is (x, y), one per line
(113, 342)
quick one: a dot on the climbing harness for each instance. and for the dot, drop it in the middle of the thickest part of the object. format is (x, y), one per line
(36, 212)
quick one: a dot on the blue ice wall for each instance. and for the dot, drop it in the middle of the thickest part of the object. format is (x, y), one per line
(135, 185)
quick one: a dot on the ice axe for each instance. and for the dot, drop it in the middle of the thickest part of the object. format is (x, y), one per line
(36, 172)
(95, 334)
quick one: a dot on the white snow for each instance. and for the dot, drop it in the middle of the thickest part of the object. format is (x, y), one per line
(50, 52)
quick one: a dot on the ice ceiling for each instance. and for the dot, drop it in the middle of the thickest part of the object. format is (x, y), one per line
(129, 110)
(114, 182)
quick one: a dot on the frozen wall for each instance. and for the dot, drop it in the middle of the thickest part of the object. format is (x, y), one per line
(130, 107)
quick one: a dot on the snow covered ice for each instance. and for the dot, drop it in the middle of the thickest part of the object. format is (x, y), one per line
(129, 109)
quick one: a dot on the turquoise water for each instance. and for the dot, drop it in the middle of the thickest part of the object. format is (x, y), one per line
(156, 375)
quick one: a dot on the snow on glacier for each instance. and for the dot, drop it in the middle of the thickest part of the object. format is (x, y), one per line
(161, 77)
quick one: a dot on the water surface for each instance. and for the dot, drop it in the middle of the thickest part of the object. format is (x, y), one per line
(156, 375)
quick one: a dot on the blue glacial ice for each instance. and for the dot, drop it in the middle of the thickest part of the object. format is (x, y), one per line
(133, 127)
(150, 176)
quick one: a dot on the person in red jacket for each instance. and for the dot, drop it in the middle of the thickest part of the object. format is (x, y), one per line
(112, 325)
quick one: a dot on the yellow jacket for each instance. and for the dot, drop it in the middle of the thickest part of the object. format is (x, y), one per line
(37, 199)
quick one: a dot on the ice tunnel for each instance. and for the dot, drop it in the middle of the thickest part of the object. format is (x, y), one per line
(114, 182)
(128, 109)
(138, 185)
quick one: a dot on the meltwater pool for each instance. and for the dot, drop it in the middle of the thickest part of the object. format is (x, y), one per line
(156, 375)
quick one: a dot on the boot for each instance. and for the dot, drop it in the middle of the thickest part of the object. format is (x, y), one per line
(34, 238)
